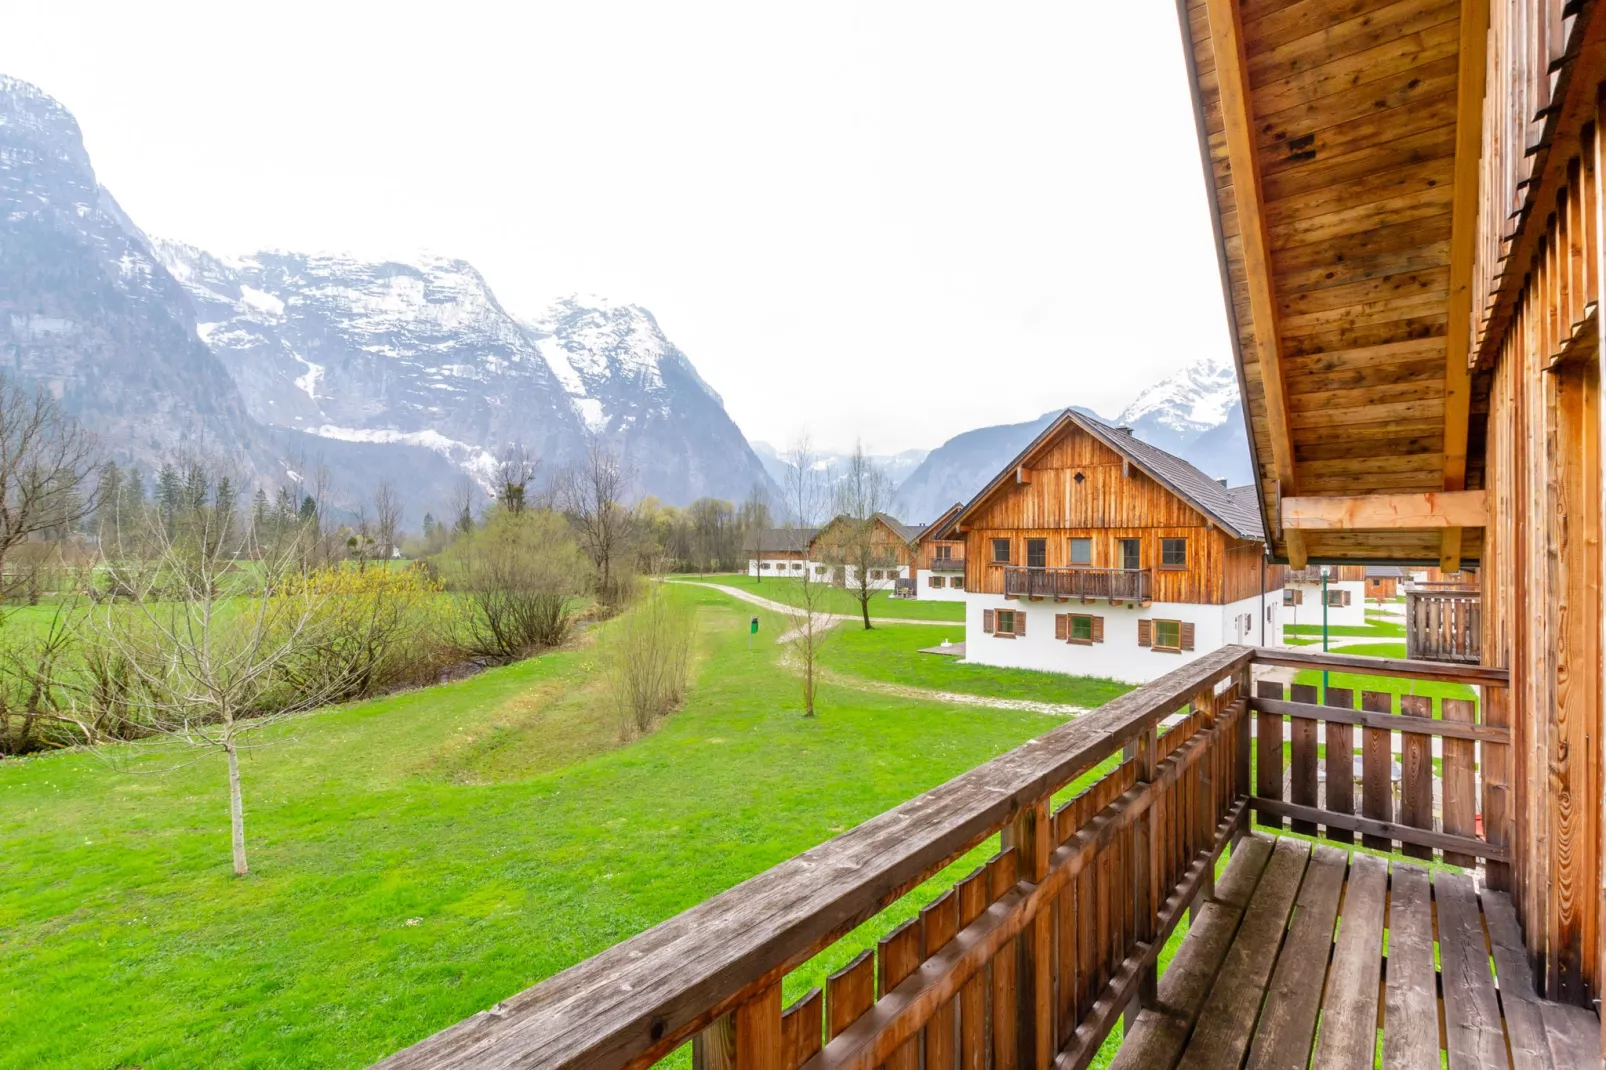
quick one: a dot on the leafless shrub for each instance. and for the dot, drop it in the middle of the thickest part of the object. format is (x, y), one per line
(647, 659)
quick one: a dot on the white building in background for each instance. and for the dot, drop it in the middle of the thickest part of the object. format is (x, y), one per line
(1097, 554)
(1346, 595)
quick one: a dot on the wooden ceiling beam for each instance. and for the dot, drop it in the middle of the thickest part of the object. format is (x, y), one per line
(1232, 76)
(1449, 510)
(1470, 79)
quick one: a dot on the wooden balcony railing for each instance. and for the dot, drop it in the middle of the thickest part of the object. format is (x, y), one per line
(1443, 624)
(1030, 959)
(1116, 584)
(946, 564)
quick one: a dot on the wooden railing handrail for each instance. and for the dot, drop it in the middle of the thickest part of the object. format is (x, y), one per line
(1075, 568)
(1444, 672)
(639, 999)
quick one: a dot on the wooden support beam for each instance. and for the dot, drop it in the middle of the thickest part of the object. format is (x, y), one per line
(1470, 78)
(1386, 512)
(1023, 474)
(1232, 75)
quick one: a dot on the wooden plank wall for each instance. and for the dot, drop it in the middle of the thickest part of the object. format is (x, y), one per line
(1542, 570)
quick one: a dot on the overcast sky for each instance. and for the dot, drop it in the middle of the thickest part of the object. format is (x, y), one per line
(894, 221)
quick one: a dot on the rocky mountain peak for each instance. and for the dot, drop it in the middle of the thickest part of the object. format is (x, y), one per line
(1192, 401)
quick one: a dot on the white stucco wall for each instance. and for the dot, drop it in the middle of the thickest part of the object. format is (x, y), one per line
(784, 568)
(946, 593)
(1310, 611)
(777, 567)
(1119, 657)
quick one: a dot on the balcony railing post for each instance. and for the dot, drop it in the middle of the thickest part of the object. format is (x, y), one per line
(1030, 833)
(1146, 864)
(748, 1038)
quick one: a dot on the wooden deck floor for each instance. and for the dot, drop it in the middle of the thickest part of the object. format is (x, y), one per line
(1297, 937)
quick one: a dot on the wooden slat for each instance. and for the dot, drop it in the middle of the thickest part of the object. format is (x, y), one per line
(1472, 67)
(1525, 1027)
(1388, 721)
(1410, 1002)
(758, 1031)
(1416, 775)
(1238, 123)
(1227, 1020)
(1387, 512)
(1460, 778)
(1006, 970)
(939, 921)
(1348, 1035)
(1572, 1034)
(1471, 675)
(1302, 757)
(849, 992)
(1288, 1020)
(1472, 1032)
(1387, 830)
(972, 896)
(801, 1029)
(898, 955)
(1377, 760)
(1159, 1034)
(1269, 753)
(1340, 740)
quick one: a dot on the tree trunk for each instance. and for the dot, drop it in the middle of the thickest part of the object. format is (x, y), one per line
(864, 606)
(236, 810)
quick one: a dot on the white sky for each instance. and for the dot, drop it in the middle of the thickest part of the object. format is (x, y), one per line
(891, 221)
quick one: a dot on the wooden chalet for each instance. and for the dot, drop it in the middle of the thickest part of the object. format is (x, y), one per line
(1095, 553)
(1383, 582)
(1407, 198)
(939, 559)
(836, 549)
(778, 551)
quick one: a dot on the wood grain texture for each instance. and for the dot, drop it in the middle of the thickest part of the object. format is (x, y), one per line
(1287, 1023)
(1472, 1030)
(1349, 1015)
(1411, 1036)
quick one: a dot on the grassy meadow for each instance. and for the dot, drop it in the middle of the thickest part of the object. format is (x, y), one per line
(418, 857)
(836, 599)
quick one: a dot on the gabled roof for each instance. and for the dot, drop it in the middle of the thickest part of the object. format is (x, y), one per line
(937, 529)
(1236, 510)
(907, 532)
(1385, 572)
(780, 540)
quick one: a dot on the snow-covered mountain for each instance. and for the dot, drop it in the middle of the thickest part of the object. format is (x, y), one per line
(420, 352)
(1194, 414)
(278, 359)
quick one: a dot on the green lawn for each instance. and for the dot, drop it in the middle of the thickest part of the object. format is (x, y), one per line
(838, 600)
(1375, 628)
(419, 857)
(892, 655)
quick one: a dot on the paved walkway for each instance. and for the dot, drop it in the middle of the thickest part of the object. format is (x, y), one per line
(824, 619)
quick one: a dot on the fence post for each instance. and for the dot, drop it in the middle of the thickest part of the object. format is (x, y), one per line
(1146, 863)
(1030, 833)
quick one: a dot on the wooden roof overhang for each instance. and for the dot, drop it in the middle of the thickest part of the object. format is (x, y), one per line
(1341, 142)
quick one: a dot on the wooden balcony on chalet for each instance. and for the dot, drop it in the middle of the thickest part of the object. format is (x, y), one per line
(946, 564)
(1032, 959)
(1088, 584)
(1444, 622)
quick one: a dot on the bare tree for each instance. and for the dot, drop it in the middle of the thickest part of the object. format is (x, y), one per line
(514, 474)
(463, 505)
(755, 523)
(591, 495)
(809, 622)
(47, 462)
(205, 641)
(858, 543)
(387, 518)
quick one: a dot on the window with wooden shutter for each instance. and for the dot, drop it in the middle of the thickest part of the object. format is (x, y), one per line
(1292, 597)
(1167, 635)
(1062, 623)
(1004, 623)
(1145, 633)
(1098, 629)
(987, 620)
(1187, 635)
(1081, 630)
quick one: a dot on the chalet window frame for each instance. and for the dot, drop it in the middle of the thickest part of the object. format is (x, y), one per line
(1036, 553)
(1000, 544)
(956, 583)
(1071, 625)
(934, 581)
(1163, 622)
(1085, 542)
(1015, 621)
(1133, 562)
(1293, 596)
(1167, 545)
(1338, 598)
